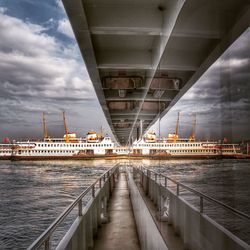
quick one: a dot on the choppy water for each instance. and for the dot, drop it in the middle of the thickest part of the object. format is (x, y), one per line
(33, 194)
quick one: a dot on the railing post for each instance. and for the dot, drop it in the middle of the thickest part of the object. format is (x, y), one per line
(141, 179)
(93, 191)
(47, 245)
(113, 179)
(80, 208)
(110, 185)
(166, 181)
(201, 204)
(147, 183)
(177, 189)
(100, 183)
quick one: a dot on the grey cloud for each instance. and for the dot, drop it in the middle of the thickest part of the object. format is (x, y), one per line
(221, 98)
(38, 74)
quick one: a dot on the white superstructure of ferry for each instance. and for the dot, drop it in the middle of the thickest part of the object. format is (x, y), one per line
(73, 147)
(5, 150)
(172, 146)
(95, 146)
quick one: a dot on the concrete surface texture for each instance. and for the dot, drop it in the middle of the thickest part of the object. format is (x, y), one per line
(120, 232)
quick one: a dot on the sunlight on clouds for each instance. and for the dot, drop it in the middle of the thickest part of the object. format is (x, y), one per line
(26, 38)
(39, 72)
(60, 4)
(238, 62)
(64, 27)
(30, 57)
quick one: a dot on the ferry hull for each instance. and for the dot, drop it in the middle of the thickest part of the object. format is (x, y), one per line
(82, 157)
(5, 157)
(117, 157)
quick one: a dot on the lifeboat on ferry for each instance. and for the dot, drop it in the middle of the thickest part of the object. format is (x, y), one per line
(172, 137)
(150, 137)
(71, 137)
(92, 136)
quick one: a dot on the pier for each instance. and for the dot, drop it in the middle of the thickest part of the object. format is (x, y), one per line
(131, 207)
(120, 232)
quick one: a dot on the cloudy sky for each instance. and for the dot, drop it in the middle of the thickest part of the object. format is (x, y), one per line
(41, 69)
(220, 99)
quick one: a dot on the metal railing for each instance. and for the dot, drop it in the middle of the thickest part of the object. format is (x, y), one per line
(163, 181)
(46, 237)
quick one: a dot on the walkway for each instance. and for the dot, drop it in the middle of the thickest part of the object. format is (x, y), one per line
(120, 233)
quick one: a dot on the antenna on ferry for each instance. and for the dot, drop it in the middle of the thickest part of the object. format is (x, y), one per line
(45, 130)
(141, 128)
(177, 127)
(101, 133)
(66, 128)
(192, 137)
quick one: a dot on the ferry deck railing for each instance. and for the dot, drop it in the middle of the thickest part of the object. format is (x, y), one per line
(163, 180)
(45, 239)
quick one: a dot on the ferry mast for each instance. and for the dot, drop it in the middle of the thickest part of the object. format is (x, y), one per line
(66, 128)
(192, 137)
(177, 127)
(45, 130)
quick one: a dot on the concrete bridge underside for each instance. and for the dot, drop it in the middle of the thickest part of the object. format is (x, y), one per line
(143, 55)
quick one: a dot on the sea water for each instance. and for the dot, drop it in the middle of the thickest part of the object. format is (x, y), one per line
(33, 194)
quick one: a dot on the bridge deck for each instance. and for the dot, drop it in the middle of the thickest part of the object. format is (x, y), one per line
(120, 233)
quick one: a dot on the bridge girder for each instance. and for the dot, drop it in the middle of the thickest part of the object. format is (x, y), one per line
(143, 55)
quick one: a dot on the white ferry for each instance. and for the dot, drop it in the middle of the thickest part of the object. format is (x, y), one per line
(68, 147)
(96, 145)
(5, 151)
(172, 146)
(73, 147)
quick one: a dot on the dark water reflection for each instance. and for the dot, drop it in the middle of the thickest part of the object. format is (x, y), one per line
(33, 194)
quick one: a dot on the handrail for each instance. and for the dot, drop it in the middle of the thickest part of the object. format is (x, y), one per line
(200, 194)
(45, 236)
